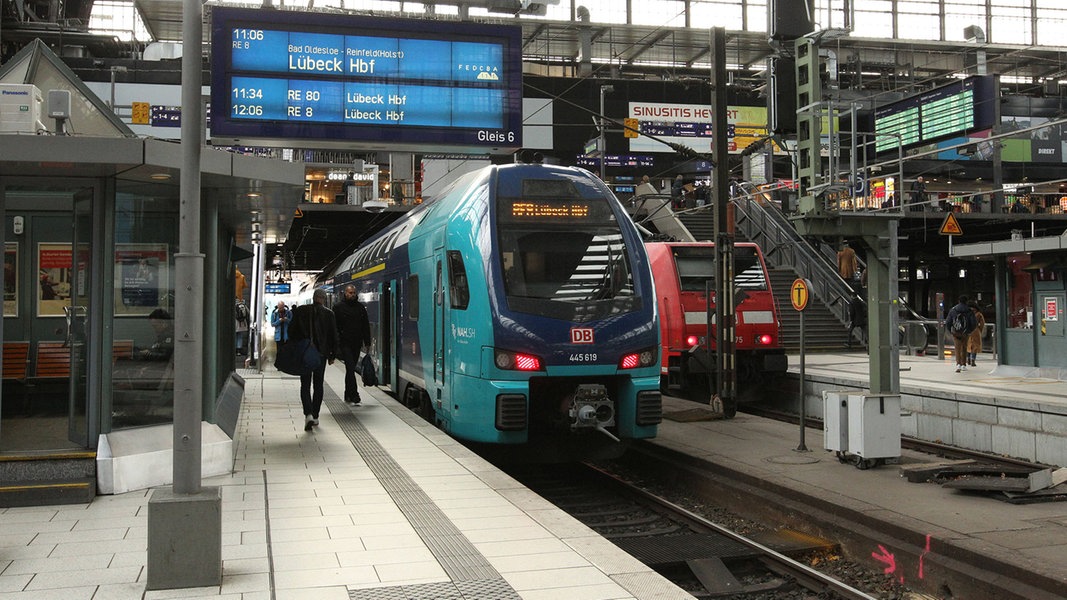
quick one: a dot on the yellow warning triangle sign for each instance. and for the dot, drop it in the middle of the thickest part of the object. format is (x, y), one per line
(950, 226)
(298, 213)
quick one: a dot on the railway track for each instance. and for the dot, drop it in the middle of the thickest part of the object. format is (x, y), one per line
(706, 559)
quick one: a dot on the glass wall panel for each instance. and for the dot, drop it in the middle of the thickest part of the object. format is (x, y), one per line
(756, 15)
(606, 11)
(918, 20)
(874, 23)
(1011, 26)
(146, 239)
(716, 14)
(959, 15)
(1051, 23)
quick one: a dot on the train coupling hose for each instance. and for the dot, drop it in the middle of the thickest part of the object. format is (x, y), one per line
(592, 408)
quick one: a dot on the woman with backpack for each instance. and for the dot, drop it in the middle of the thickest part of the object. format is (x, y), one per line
(960, 323)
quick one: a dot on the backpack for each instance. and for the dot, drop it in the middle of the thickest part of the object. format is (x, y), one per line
(241, 312)
(959, 323)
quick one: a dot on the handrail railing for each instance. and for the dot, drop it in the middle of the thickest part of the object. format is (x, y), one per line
(763, 222)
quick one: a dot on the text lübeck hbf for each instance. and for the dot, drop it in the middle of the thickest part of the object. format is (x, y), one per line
(329, 65)
(373, 115)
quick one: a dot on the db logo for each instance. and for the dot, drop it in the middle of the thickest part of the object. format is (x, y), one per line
(581, 336)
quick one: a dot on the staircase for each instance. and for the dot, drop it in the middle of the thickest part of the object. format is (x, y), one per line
(823, 332)
(36, 479)
(700, 223)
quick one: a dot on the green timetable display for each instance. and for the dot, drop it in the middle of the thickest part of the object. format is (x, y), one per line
(403, 84)
(941, 113)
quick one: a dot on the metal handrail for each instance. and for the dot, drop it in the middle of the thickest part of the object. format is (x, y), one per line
(764, 223)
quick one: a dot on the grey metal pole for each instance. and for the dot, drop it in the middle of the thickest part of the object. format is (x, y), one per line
(604, 90)
(189, 266)
(725, 313)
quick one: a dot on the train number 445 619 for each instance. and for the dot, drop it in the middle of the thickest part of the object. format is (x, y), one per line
(583, 357)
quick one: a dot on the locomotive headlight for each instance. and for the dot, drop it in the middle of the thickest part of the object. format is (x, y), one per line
(692, 341)
(634, 360)
(516, 361)
(765, 339)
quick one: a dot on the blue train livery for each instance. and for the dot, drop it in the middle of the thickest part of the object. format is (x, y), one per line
(516, 308)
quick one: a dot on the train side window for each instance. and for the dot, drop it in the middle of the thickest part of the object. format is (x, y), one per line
(459, 292)
(413, 297)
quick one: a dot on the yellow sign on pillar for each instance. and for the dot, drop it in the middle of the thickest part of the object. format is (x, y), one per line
(951, 226)
(633, 127)
(142, 113)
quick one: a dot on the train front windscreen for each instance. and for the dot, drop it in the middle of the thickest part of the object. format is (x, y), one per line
(564, 256)
(696, 267)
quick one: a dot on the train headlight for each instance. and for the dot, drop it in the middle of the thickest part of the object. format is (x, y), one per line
(634, 360)
(517, 361)
(692, 341)
(765, 339)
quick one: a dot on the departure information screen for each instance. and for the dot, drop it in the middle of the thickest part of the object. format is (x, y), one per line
(941, 113)
(345, 79)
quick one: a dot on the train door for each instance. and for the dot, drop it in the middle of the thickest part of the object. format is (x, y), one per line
(439, 328)
(386, 348)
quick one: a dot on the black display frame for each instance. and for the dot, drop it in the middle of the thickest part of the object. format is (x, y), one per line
(225, 130)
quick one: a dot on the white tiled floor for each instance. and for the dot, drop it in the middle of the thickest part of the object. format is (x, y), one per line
(332, 525)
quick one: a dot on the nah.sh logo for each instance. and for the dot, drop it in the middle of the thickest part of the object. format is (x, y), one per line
(580, 335)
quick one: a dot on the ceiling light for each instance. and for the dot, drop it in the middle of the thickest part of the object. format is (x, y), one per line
(160, 176)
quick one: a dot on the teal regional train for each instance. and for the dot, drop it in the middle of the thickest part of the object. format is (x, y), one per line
(516, 308)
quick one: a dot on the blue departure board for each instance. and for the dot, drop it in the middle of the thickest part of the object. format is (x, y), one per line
(331, 80)
(937, 114)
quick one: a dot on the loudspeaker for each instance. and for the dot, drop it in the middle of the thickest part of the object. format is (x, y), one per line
(782, 96)
(789, 19)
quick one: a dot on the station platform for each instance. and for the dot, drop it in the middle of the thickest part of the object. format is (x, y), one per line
(1013, 411)
(937, 524)
(372, 504)
(927, 518)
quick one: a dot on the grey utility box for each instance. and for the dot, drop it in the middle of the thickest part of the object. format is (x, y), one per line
(863, 429)
(835, 420)
(874, 425)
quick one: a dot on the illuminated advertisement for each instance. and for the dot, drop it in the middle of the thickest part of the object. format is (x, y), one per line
(397, 84)
(690, 125)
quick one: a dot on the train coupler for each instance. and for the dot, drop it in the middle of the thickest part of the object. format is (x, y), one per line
(591, 408)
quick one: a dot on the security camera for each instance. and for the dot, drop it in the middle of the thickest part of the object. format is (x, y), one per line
(374, 206)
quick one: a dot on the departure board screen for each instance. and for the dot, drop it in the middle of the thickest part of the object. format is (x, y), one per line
(941, 113)
(359, 81)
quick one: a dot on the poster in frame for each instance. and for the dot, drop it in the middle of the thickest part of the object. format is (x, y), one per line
(54, 272)
(11, 279)
(141, 279)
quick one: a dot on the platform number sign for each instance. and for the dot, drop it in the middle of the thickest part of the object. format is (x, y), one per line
(798, 294)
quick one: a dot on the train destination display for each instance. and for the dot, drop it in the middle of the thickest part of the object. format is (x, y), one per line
(391, 83)
(940, 113)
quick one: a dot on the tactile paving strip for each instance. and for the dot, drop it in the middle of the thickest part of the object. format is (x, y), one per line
(473, 578)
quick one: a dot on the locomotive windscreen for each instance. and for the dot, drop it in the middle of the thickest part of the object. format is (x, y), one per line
(696, 267)
(563, 256)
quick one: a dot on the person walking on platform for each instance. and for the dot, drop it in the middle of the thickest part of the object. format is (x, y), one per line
(857, 319)
(316, 322)
(353, 334)
(974, 341)
(960, 323)
(280, 318)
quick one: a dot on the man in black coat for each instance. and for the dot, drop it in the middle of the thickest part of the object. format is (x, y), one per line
(317, 322)
(967, 323)
(353, 334)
